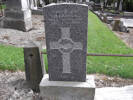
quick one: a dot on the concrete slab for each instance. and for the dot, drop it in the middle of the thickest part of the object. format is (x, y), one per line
(62, 90)
(127, 22)
(114, 93)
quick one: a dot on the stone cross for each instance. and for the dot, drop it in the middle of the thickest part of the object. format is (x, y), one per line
(66, 45)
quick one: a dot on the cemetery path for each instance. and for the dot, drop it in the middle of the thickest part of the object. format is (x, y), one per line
(106, 81)
(14, 87)
(127, 38)
(20, 38)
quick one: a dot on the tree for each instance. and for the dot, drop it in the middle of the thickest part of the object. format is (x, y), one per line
(46, 2)
(128, 5)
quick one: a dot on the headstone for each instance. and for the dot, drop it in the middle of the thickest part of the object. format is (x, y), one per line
(33, 4)
(66, 27)
(112, 5)
(117, 25)
(116, 4)
(87, 0)
(127, 22)
(66, 41)
(120, 6)
(109, 20)
(17, 15)
(128, 15)
(123, 28)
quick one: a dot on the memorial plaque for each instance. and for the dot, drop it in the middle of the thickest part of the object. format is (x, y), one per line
(66, 41)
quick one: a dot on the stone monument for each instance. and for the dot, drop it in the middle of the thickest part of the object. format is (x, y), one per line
(17, 15)
(66, 27)
(33, 4)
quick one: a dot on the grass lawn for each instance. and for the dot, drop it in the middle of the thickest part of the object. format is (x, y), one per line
(100, 40)
(11, 58)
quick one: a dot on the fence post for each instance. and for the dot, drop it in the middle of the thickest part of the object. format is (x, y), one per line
(34, 67)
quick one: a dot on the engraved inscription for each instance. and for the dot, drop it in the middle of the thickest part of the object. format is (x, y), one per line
(66, 45)
(64, 17)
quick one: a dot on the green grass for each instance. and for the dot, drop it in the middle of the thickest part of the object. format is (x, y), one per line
(2, 6)
(102, 40)
(11, 58)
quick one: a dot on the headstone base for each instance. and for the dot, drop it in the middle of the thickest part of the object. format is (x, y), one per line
(20, 20)
(62, 90)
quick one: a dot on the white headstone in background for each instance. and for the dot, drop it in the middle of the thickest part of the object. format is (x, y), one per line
(120, 6)
(87, 0)
(127, 22)
(17, 15)
(33, 4)
(115, 4)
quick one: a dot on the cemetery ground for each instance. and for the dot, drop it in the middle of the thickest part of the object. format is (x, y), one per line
(100, 40)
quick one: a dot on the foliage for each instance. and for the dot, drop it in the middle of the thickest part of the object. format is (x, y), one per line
(128, 5)
(2, 6)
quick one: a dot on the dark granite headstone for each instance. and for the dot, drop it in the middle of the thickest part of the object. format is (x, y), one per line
(66, 40)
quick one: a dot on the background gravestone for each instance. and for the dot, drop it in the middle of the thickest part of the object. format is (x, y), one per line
(17, 15)
(66, 41)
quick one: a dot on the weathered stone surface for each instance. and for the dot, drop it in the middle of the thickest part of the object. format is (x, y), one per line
(16, 14)
(34, 66)
(17, 4)
(33, 4)
(116, 25)
(61, 90)
(23, 25)
(128, 14)
(66, 40)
